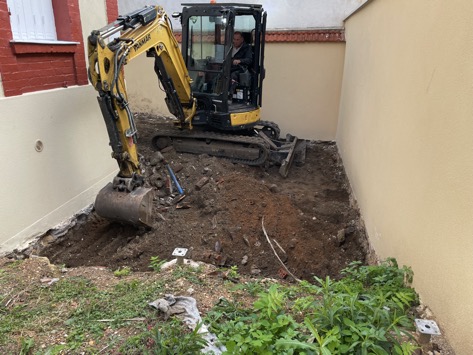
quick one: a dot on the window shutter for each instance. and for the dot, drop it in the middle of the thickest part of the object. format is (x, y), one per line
(32, 20)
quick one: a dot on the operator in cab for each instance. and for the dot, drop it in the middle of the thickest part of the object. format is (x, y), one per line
(242, 57)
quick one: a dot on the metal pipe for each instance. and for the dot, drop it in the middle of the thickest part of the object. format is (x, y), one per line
(107, 32)
(173, 177)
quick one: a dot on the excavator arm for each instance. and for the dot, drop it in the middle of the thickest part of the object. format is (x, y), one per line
(149, 31)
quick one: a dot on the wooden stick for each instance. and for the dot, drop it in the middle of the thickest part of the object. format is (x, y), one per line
(274, 251)
(138, 319)
(280, 247)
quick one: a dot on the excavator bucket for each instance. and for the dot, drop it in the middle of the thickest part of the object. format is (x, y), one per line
(128, 207)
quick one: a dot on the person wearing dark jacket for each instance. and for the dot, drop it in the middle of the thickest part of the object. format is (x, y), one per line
(242, 57)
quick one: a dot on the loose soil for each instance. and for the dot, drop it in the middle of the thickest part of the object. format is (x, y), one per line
(308, 216)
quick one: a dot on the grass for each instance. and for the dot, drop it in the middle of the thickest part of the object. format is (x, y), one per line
(76, 315)
(80, 309)
(367, 311)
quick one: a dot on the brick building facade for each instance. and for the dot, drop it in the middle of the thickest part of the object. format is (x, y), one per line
(35, 65)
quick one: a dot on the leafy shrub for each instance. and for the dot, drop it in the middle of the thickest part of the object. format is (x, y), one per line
(364, 312)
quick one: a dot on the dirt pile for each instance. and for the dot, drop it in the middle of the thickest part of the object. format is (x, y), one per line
(308, 217)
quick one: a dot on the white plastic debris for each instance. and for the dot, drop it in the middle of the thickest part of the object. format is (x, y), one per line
(186, 309)
(187, 262)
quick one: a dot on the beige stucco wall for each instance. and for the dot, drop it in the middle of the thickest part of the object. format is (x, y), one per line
(144, 92)
(41, 189)
(301, 90)
(406, 138)
(93, 17)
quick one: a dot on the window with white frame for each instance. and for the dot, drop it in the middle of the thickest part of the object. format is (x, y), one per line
(32, 20)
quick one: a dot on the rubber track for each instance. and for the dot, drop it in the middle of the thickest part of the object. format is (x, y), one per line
(222, 137)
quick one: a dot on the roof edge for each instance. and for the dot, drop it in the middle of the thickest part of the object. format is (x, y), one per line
(361, 7)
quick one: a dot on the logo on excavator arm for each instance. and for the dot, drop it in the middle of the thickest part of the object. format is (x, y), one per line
(141, 42)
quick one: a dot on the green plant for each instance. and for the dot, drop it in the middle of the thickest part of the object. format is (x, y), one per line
(189, 273)
(166, 339)
(386, 274)
(244, 331)
(251, 287)
(233, 272)
(124, 271)
(55, 349)
(366, 312)
(172, 339)
(156, 263)
(26, 345)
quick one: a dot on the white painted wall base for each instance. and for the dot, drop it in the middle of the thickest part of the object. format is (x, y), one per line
(23, 238)
(41, 189)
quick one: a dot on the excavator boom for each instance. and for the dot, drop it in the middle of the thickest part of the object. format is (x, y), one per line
(109, 49)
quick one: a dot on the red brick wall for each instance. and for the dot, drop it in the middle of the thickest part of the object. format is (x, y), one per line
(112, 10)
(27, 67)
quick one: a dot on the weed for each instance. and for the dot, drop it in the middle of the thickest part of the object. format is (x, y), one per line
(156, 263)
(173, 339)
(365, 312)
(55, 349)
(26, 345)
(74, 287)
(14, 264)
(163, 339)
(233, 272)
(124, 271)
(252, 287)
(387, 274)
(189, 273)
(244, 331)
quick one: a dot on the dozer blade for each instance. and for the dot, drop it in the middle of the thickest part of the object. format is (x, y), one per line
(129, 207)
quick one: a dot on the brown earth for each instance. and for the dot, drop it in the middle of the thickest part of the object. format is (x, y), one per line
(310, 214)
(316, 229)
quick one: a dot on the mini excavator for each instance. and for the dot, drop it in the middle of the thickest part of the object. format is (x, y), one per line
(214, 115)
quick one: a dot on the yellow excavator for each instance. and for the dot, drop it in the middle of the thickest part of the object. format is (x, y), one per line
(215, 113)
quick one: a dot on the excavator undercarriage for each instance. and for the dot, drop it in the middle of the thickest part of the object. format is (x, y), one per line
(259, 147)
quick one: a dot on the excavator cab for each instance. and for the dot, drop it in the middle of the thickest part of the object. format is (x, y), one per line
(207, 34)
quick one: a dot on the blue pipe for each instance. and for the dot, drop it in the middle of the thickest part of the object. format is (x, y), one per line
(173, 177)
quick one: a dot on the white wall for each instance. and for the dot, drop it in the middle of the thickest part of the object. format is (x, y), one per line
(281, 13)
(303, 97)
(406, 139)
(41, 189)
(93, 17)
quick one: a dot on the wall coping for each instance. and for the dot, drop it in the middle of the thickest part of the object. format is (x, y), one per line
(314, 35)
(298, 36)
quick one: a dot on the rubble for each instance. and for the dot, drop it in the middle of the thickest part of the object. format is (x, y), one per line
(219, 216)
